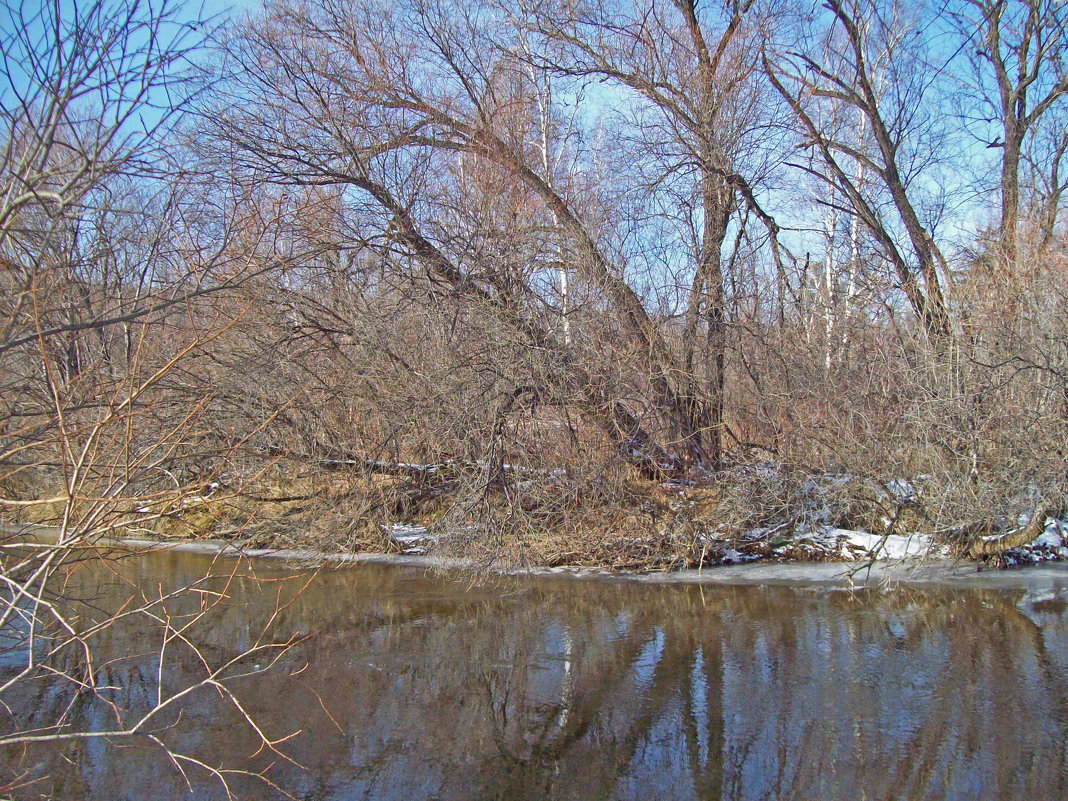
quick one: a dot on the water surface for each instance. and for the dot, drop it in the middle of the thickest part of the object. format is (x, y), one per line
(413, 685)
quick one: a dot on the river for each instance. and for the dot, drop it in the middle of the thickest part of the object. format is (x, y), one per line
(410, 684)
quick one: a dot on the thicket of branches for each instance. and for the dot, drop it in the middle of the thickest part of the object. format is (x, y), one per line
(612, 240)
(668, 236)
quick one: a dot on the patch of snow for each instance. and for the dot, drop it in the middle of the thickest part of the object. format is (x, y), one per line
(416, 539)
(732, 557)
(892, 546)
(901, 490)
(765, 469)
(1051, 537)
(819, 482)
(405, 533)
(1049, 546)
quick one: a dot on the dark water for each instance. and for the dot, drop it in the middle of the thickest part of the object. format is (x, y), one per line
(410, 686)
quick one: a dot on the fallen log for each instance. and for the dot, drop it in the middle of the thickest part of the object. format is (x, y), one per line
(994, 544)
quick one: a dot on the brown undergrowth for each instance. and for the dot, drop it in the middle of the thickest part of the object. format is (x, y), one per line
(603, 517)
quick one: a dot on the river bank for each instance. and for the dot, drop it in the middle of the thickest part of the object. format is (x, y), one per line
(761, 513)
(917, 571)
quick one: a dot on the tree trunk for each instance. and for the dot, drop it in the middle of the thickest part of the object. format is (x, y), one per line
(1010, 196)
(991, 545)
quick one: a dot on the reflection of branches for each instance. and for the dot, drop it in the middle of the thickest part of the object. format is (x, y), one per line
(1049, 670)
(603, 687)
(176, 629)
(596, 675)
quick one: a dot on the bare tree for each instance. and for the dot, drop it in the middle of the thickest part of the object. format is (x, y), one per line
(865, 57)
(420, 91)
(109, 295)
(1015, 50)
(697, 70)
(1046, 181)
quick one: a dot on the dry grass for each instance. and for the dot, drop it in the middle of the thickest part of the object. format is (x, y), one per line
(603, 516)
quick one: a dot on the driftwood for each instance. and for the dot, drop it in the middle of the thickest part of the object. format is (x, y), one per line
(992, 545)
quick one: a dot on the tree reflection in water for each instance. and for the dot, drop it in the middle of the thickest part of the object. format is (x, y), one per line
(416, 687)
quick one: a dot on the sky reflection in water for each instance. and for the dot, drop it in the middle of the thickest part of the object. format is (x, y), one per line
(418, 687)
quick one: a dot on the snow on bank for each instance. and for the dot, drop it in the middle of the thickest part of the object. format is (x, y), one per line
(862, 545)
(819, 543)
(815, 543)
(413, 539)
(1049, 546)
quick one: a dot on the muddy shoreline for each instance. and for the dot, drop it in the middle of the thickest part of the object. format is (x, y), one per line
(917, 572)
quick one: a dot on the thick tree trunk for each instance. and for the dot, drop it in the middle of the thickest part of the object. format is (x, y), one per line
(1010, 197)
(705, 398)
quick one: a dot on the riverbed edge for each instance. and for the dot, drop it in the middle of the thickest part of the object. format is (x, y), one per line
(911, 572)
